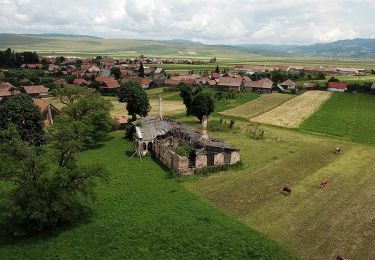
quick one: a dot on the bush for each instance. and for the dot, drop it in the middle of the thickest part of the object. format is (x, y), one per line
(183, 150)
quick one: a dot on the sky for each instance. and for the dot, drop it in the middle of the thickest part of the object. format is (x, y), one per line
(206, 21)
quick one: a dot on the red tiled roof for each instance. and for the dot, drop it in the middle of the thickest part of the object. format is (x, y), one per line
(108, 82)
(338, 85)
(288, 83)
(121, 119)
(37, 89)
(79, 81)
(42, 105)
(262, 83)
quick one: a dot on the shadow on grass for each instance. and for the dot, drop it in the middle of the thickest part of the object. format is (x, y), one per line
(7, 238)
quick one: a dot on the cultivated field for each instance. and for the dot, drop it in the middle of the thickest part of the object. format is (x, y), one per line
(293, 112)
(314, 223)
(258, 106)
(142, 214)
(351, 116)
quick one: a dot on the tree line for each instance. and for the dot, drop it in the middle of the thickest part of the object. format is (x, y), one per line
(11, 59)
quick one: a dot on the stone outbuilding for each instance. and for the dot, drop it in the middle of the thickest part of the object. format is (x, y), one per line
(164, 138)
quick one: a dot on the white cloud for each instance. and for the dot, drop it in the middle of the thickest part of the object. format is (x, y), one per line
(219, 21)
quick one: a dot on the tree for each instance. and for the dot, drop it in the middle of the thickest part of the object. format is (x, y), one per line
(137, 102)
(116, 72)
(69, 95)
(21, 112)
(94, 111)
(79, 63)
(217, 70)
(69, 79)
(203, 105)
(333, 79)
(141, 71)
(40, 197)
(60, 59)
(186, 92)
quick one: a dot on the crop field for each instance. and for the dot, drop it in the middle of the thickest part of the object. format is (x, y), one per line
(293, 112)
(258, 106)
(314, 223)
(143, 214)
(350, 116)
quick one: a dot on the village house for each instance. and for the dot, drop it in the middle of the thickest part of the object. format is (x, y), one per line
(288, 84)
(48, 111)
(80, 82)
(122, 121)
(230, 84)
(32, 66)
(7, 90)
(37, 91)
(161, 137)
(337, 86)
(109, 84)
(159, 73)
(262, 86)
(144, 82)
(309, 86)
(52, 68)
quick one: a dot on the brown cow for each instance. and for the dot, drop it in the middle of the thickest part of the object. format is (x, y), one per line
(323, 183)
(286, 190)
(340, 257)
(337, 150)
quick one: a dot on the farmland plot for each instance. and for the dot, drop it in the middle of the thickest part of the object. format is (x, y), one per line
(293, 112)
(258, 106)
(351, 116)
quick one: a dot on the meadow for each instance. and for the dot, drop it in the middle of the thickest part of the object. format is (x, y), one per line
(314, 223)
(350, 116)
(143, 214)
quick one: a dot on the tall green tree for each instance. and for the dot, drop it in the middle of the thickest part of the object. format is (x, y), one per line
(94, 111)
(21, 112)
(217, 70)
(188, 93)
(203, 105)
(137, 101)
(141, 71)
(69, 95)
(42, 193)
(116, 72)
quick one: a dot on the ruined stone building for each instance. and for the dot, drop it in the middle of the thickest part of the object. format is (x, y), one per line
(161, 138)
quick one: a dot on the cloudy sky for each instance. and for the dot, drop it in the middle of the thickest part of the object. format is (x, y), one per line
(207, 21)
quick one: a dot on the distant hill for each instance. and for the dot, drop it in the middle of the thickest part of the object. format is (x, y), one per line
(84, 45)
(356, 48)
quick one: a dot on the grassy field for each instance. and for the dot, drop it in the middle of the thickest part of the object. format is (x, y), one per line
(258, 106)
(293, 112)
(351, 116)
(142, 214)
(313, 223)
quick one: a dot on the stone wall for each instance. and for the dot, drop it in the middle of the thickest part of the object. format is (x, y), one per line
(200, 161)
(170, 159)
(219, 159)
(235, 157)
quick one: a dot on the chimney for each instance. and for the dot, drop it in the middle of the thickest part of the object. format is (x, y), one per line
(161, 107)
(204, 127)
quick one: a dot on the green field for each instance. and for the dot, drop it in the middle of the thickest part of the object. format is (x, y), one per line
(313, 223)
(142, 214)
(350, 116)
(258, 106)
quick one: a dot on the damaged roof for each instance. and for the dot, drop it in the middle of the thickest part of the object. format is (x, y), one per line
(149, 128)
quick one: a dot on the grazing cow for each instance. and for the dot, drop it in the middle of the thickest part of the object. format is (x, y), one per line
(340, 257)
(323, 183)
(287, 190)
(337, 150)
